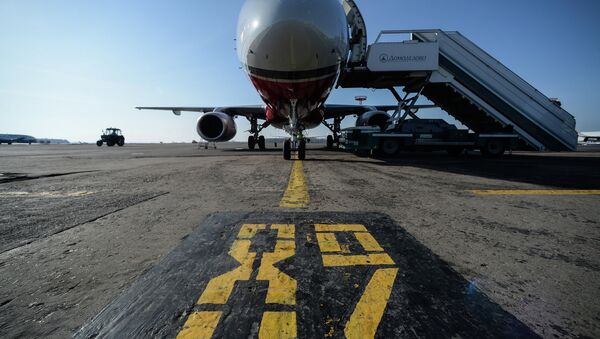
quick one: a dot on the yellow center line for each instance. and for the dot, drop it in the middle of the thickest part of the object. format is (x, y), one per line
(296, 194)
(535, 192)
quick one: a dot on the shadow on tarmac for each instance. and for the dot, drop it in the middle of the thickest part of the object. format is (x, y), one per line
(567, 170)
(572, 171)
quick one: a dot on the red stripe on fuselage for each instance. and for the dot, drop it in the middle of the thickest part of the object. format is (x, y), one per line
(310, 93)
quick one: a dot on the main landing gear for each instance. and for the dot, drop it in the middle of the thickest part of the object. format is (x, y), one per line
(253, 141)
(287, 149)
(256, 139)
(333, 141)
(300, 148)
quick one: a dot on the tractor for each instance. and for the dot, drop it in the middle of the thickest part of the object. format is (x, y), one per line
(111, 136)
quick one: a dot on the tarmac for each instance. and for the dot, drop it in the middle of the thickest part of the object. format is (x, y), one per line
(174, 240)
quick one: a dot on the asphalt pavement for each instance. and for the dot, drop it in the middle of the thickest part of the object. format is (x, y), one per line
(173, 239)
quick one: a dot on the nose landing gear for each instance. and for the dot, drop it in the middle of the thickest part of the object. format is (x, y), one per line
(299, 146)
(287, 149)
(302, 149)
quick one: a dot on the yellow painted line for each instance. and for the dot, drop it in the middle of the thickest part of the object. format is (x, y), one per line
(282, 287)
(45, 194)
(535, 192)
(248, 231)
(296, 194)
(278, 325)
(219, 289)
(330, 260)
(367, 241)
(284, 231)
(367, 314)
(328, 242)
(340, 228)
(200, 325)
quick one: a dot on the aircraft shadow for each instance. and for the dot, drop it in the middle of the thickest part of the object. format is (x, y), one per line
(573, 171)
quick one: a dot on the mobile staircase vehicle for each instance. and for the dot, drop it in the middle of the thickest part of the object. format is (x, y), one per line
(494, 103)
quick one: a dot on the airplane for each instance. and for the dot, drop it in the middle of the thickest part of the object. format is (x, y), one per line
(589, 138)
(16, 139)
(293, 52)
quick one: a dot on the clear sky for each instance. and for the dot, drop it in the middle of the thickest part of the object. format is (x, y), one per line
(71, 68)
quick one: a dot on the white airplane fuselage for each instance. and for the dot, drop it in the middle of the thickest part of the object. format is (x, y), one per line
(292, 51)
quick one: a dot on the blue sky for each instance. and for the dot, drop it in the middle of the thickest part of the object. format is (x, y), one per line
(71, 68)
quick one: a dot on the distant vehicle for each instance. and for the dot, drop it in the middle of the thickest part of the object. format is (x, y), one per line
(111, 136)
(47, 141)
(16, 139)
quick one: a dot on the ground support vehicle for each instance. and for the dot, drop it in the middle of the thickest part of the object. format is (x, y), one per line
(424, 135)
(111, 136)
(463, 80)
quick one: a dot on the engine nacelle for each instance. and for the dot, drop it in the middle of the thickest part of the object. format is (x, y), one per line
(216, 127)
(373, 118)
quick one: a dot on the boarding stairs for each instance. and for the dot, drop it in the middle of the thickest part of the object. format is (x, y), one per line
(460, 78)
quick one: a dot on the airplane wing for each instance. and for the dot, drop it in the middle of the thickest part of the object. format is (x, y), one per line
(256, 111)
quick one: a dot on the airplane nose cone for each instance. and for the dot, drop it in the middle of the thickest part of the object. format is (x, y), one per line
(292, 35)
(289, 44)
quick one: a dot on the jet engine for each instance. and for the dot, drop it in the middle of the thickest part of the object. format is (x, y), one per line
(216, 127)
(373, 118)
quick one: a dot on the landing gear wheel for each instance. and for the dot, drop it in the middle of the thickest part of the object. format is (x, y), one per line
(329, 142)
(302, 149)
(261, 142)
(121, 142)
(99, 143)
(287, 150)
(389, 147)
(493, 149)
(251, 142)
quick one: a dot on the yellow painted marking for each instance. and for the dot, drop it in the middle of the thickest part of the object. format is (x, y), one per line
(368, 242)
(296, 194)
(535, 192)
(345, 248)
(330, 260)
(45, 194)
(200, 325)
(328, 242)
(248, 231)
(340, 228)
(365, 319)
(284, 231)
(278, 325)
(282, 287)
(218, 289)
